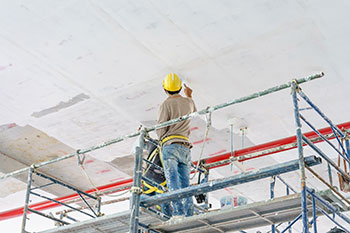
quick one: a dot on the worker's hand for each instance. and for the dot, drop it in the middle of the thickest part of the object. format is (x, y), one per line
(187, 91)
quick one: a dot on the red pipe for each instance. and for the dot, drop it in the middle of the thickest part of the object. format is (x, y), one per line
(48, 204)
(273, 144)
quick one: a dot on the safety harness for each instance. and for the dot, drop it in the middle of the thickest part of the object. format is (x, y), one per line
(155, 158)
(172, 137)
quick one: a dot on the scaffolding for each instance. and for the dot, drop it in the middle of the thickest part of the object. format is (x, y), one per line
(95, 212)
(312, 203)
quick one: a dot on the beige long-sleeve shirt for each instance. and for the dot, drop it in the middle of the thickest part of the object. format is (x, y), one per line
(173, 107)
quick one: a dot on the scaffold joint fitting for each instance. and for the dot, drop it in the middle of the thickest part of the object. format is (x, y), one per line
(136, 190)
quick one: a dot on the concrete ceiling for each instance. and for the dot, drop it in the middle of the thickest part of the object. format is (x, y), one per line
(83, 72)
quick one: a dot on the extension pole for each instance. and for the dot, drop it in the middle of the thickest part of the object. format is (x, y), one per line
(301, 157)
(171, 122)
(136, 188)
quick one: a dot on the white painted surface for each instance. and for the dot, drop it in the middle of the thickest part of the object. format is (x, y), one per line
(117, 52)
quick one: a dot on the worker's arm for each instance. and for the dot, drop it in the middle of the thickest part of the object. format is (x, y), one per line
(187, 91)
(163, 116)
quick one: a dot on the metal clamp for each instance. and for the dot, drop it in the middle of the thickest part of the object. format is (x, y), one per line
(346, 134)
(135, 189)
(80, 161)
(297, 87)
(208, 118)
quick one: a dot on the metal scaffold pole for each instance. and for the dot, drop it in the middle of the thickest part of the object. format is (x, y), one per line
(26, 205)
(214, 185)
(272, 195)
(301, 156)
(136, 188)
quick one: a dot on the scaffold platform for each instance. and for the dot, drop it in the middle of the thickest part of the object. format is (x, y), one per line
(112, 223)
(264, 213)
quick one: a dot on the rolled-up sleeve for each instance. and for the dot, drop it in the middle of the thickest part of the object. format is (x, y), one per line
(194, 105)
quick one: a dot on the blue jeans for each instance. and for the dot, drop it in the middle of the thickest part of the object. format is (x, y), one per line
(177, 168)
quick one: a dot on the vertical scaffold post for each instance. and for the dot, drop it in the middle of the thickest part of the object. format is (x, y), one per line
(314, 216)
(98, 207)
(287, 192)
(272, 195)
(206, 196)
(330, 175)
(136, 188)
(347, 145)
(231, 134)
(26, 204)
(295, 89)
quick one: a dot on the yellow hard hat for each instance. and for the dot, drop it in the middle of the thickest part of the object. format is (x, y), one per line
(172, 82)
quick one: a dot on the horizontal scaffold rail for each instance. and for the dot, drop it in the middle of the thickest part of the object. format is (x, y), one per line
(230, 181)
(171, 122)
(212, 162)
(121, 185)
(252, 215)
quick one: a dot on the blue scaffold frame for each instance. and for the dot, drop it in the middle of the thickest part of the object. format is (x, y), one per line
(53, 181)
(296, 91)
(136, 189)
(305, 192)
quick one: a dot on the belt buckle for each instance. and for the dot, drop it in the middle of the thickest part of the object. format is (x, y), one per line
(188, 145)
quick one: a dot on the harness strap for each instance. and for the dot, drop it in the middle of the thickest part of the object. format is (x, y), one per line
(174, 136)
(152, 189)
(151, 158)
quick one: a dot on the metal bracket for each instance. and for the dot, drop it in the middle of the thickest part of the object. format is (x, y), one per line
(135, 189)
(33, 168)
(80, 160)
(208, 118)
(297, 87)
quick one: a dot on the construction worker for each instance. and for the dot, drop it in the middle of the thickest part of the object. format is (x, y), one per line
(175, 142)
